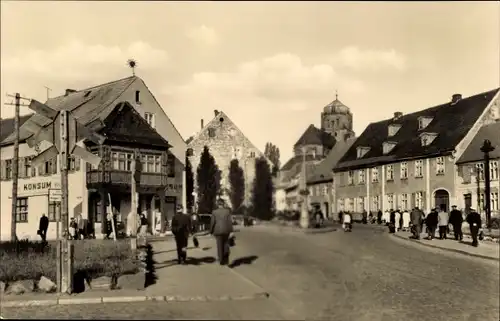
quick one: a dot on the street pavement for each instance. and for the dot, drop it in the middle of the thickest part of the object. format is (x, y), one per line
(363, 275)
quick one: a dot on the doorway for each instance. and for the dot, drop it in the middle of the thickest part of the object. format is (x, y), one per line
(442, 199)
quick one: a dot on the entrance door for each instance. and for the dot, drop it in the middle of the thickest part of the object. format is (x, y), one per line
(468, 201)
(327, 210)
(442, 199)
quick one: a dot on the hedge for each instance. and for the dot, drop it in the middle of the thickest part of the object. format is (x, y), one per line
(27, 260)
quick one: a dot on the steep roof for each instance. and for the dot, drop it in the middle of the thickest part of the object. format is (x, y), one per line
(315, 136)
(473, 152)
(450, 121)
(297, 159)
(86, 105)
(124, 124)
(324, 170)
(7, 125)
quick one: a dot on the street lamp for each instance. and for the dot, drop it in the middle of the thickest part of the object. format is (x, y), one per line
(487, 148)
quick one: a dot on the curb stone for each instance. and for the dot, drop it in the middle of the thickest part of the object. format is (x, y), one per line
(447, 249)
(101, 300)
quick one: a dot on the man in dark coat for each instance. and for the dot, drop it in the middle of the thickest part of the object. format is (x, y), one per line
(416, 222)
(432, 222)
(456, 220)
(392, 222)
(221, 226)
(43, 226)
(474, 220)
(181, 227)
(379, 217)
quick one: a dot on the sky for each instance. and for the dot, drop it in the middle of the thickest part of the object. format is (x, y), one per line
(270, 66)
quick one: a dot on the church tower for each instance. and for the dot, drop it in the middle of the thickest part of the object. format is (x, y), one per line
(336, 119)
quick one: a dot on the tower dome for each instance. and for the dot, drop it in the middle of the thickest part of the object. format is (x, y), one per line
(336, 107)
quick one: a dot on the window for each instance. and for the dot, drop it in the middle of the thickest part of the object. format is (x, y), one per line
(404, 202)
(375, 174)
(325, 190)
(361, 176)
(440, 166)
(390, 172)
(157, 168)
(493, 170)
(350, 177)
(361, 204)
(390, 201)
(494, 201)
(150, 119)
(404, 170)
(318, 190)
(376, 202)
(362, 151)
(171, 165)
(48, 168)
(8, 169)
(137, 96)
(480, 171)
(387, 147)
(481, 202)
(252, 154)
(311, 190)
(211, 132)
(150, 163)
(419, 200)
(419, 168)
(74, 163)
(423, 122)
(341, 205)
(27, 171)
(22, 210)
(350, 208)
(54, 211)
(393, 129)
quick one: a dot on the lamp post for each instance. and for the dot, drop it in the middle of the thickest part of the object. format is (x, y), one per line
(487, 148)
(304, 192)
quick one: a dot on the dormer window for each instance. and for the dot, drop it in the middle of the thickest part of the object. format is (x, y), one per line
(387, 147)
(427, 138)
(361, 150)
(393, 129)
(423, 122)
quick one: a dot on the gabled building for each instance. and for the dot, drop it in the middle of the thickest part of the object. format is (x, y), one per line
(90, 104)
(409, 160)
(470, 185)
(226, 142)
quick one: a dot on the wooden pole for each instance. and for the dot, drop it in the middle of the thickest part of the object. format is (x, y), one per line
(133, 206)
(66, 279)
(15, 170)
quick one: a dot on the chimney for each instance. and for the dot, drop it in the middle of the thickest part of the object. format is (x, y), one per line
(397, 115)
(202, 124)
(455, 98)
(69, 91)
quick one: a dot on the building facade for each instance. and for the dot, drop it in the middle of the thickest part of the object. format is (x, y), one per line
(409, 160)
(225, 142)
(471, 172)
(98, 102)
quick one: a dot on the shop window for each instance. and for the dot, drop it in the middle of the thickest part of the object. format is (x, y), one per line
(54, 211)
(22, 210)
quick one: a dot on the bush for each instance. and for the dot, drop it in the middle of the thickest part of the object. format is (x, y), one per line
(25, 260)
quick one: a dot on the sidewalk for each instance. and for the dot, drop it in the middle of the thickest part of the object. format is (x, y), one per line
(485, 250)
(290, 227)
(202, 279)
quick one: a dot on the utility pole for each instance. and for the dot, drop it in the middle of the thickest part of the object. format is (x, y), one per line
(304, 211)
(133, 203)
(15, 163)
(487, 148)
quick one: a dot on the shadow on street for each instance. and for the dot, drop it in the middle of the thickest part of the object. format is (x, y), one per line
(243, 260)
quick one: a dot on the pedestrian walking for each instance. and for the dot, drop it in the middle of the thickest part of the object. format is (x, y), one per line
(80, 226)
(392, 222)
(144, 224)
(379, 217)
(397, 221)
(181, 227)
(73, 229)
(43, 226)
(443, 220)
(456, 220)
(386, 218)
(474, 220)
(221, 226)
(416, 222)
(319, 217)
(431, 221)
(406, 220)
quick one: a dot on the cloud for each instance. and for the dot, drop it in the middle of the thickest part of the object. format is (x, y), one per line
(77, 61)
(281, 81)
(203, 35)
(369, 60)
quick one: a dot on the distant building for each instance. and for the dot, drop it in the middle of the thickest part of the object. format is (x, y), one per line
(225, 142)
(471, 175)
(139, 127)
(316, 143)
(409, 160)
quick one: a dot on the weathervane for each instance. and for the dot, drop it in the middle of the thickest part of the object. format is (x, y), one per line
(336, 94)
(132, 64)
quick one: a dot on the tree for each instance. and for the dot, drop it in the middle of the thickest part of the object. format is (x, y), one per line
(237, 185)
(272, 152)
(262, 193)
(189, 184)
(207, 175)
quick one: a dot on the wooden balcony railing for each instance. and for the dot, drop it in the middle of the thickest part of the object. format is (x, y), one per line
(115, 177)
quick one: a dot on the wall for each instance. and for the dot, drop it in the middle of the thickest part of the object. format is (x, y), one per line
(228, 140)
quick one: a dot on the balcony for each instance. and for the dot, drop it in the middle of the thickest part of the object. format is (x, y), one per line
(123, 178)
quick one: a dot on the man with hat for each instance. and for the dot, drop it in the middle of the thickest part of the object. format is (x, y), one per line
(474, 220)
(181, 227)
(456, 220)
(221, 226)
